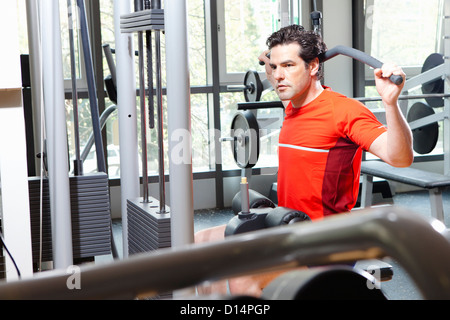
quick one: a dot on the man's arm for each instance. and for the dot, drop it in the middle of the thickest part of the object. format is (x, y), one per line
(394, 146)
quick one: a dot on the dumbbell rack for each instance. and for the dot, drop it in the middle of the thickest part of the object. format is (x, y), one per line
(148, 218)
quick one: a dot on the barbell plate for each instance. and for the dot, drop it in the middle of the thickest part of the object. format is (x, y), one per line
(424, 138)
(253, 86)
(245, 142)
(435, 86)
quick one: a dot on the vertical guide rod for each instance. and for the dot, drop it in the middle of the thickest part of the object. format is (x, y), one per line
(162, 192)
(145, 193)
(78, 164)
(156, 4)
(101, 163)
(148, 44)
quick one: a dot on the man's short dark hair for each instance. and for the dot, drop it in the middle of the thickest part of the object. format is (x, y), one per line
(311, 43)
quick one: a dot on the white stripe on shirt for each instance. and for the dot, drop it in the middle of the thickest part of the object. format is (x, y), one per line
(303, 148)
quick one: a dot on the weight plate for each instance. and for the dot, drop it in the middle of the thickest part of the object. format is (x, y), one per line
(245, 143)
(424, 138)
(254, 86)
(437, 85)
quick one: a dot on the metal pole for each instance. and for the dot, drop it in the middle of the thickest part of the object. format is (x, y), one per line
(90, 78)
(34, 46)
(126, 102)
(78, 164)
(145, 193)
(159, 103)
(446, 124)
(160, 115)
(179, 121)
(55, 119)
(149, 44)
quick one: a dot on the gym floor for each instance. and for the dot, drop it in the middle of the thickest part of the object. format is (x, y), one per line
(400, 287)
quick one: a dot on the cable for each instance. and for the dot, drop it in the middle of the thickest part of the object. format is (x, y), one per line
(9, 254)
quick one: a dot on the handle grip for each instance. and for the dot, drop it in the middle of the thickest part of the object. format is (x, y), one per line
(360, 56)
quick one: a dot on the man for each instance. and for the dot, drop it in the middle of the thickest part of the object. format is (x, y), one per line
(324, 133)
(322, 137)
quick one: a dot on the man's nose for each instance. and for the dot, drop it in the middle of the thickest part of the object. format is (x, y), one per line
(278, 74)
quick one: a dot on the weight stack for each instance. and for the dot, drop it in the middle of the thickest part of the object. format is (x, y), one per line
(148, 229)
(90, 211)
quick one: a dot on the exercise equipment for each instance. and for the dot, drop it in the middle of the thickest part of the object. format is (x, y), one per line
(258, 212)
(253, 87)
(110, 80)
(371, 233)
(91, 228)
(255, 200)
(424, 138)
(434, 183)
(360, 56)
(324, 283)
(244, 137)
(149, 224)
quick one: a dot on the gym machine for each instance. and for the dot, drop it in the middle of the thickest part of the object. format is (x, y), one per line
(148, 219)
(86, 232)
(368, 234)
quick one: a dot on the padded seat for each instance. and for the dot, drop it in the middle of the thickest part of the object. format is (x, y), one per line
(411, 176)
(434, 182)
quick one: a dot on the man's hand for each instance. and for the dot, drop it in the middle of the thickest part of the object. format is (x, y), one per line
(389, 91)
(264, 58)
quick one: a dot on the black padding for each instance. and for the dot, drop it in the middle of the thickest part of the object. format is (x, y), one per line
(415, 177)
(327, 283)
(111, 89)
(256, 200)
(281, 216)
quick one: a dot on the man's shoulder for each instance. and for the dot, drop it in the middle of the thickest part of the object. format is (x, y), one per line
(340, 99)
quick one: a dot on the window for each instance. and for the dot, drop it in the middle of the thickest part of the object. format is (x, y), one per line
(405, 32)
(243, 27)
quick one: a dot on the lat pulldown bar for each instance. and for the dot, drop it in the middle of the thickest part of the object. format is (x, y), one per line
(357, 55)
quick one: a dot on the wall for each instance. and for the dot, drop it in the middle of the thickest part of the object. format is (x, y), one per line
(337, 30)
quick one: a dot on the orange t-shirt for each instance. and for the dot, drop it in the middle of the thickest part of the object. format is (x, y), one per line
(320, 151)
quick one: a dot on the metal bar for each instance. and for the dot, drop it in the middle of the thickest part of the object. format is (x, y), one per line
(110, 60)
(56, 129)
(427, 120)
(436, 204)
(406, 97)
(143, 110)
(126, 102)
(178, 121)
(366, 192)
(366, 234)
(159, 103)
(424, 77)
(151, 103)
(101, 163)
(90, 142)
(78, 164)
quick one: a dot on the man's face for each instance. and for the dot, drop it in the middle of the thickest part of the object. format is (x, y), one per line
(292, 76)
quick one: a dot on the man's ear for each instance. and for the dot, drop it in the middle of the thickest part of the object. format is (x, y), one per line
(314, 67)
